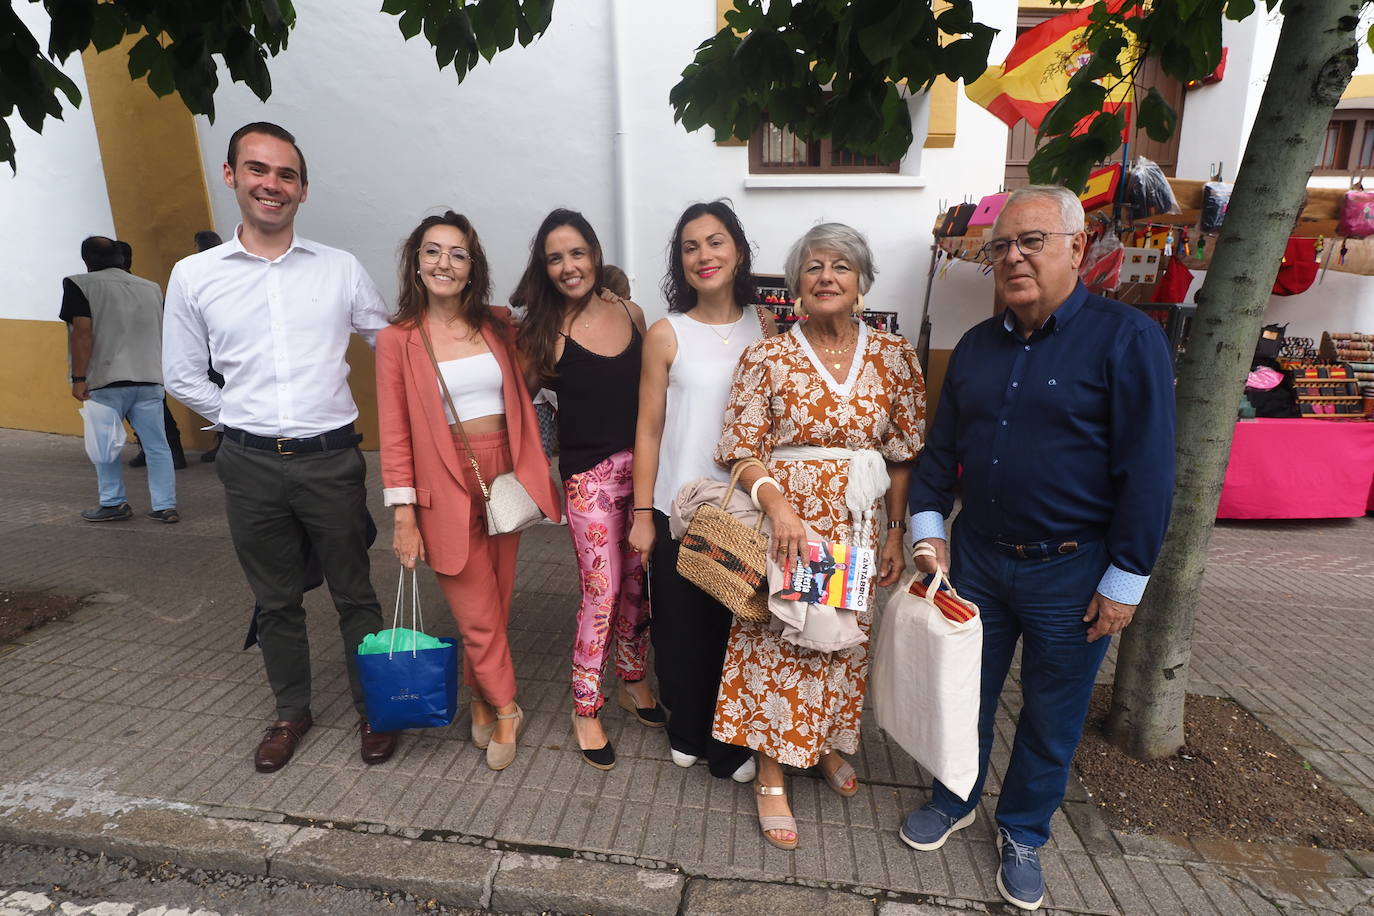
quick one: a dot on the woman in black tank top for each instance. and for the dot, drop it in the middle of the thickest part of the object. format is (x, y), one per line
(586, 345)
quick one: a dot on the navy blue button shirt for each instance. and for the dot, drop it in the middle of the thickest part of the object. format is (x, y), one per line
(1067, 435)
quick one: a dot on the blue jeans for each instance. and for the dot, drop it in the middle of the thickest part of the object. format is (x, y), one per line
(141, 405)
(1041, 603)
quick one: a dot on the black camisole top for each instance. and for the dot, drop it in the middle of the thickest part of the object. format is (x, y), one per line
(598, 403)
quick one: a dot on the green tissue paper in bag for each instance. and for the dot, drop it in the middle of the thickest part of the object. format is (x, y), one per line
(406, 640)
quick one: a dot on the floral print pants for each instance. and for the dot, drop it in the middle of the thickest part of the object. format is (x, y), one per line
(613, 600)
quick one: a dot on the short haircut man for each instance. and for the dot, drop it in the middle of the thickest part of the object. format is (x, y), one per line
(275, 312)
(1056, 428)
(115, 347)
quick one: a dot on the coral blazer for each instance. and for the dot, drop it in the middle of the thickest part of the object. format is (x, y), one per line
(418, 450)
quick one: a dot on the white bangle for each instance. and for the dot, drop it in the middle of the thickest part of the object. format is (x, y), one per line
(754, 490)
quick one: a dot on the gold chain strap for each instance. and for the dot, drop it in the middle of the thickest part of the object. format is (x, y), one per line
(457, 422)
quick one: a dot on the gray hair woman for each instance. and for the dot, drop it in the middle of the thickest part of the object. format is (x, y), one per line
(836, 410)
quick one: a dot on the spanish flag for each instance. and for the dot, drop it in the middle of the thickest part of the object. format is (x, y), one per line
(1036, 73)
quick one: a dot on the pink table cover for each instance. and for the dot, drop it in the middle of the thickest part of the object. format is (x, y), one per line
(1299, 469)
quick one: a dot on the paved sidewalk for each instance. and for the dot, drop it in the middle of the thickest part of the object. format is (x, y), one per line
(130, 727)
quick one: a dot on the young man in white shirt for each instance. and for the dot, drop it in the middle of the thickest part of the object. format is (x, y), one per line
(274, 312)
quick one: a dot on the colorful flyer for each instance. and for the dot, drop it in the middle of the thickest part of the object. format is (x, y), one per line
(834, 574)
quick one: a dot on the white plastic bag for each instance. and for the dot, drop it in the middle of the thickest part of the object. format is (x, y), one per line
(926, 684)
(105, 434)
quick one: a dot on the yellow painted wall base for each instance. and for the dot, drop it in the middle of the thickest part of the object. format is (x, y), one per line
(35, 394)
(34, 391)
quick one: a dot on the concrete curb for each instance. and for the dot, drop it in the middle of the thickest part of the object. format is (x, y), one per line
(451, 870)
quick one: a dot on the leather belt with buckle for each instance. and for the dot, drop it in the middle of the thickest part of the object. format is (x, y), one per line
(1039, 550)
(343, 437)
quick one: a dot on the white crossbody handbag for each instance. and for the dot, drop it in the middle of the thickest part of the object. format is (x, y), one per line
(509, 506)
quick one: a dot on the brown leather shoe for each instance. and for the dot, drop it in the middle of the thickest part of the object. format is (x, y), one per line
(279, 743)
(377, 747)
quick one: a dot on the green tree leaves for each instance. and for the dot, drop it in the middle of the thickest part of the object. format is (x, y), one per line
(176, 53)
(860, 51)
(464, 33)
(182, 39)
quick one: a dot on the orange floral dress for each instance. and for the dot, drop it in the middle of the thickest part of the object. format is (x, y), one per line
(791, 703)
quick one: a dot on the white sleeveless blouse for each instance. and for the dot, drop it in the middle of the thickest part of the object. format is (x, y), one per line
(698, 386)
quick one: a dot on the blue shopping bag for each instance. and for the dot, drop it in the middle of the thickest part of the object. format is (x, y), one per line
(408, 687)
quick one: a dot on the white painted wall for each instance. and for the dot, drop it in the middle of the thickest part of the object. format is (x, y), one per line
(1217, 118)
(389, 139)
(1338, 302)
(975, 166)
(57, 199)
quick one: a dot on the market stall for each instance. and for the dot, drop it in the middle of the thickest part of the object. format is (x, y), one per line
(1310, 452)
(1299, 468)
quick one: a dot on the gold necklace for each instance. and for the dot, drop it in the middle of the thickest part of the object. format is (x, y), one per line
(725, 340)
(841, 351)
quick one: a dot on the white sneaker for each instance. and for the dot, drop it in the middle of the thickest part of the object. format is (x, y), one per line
(746, 772)
(684, 760)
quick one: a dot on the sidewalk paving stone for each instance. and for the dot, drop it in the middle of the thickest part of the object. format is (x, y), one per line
(147, 694)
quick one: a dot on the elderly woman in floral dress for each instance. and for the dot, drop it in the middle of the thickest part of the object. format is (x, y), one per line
(836, 410)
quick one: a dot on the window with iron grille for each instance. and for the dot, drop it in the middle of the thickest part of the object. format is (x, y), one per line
(1348, 145)
(775, 150)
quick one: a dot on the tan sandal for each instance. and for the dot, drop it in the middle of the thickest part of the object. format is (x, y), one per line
(841, 775)
(501, 754)
(783, 822)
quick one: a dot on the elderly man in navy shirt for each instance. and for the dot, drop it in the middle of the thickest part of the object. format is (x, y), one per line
(1056, 430)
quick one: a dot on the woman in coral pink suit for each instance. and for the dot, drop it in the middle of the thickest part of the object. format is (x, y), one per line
(426, 474)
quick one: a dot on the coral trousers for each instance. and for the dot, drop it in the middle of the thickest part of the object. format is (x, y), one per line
(479, 595)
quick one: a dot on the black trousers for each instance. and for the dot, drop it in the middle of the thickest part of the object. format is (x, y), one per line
(689, 632)
(274, 502)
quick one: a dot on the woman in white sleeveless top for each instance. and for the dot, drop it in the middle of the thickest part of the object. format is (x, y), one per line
(689, 360)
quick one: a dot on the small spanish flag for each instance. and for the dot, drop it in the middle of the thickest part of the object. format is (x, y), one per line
(1035, 75)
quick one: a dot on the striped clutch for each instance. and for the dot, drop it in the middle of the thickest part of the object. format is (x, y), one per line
(946, 600)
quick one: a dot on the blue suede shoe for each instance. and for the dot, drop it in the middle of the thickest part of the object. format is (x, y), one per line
(927, 828)
(1019, 879)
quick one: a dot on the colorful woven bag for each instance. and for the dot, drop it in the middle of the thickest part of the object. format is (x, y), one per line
(726, 558)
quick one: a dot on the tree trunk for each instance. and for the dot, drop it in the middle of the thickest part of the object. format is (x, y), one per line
(1313, 62)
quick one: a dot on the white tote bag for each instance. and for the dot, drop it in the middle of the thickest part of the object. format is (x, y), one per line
(926, 680)
(104, 430)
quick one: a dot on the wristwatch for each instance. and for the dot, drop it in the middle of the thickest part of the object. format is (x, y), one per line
(896, 523)
(78, 378)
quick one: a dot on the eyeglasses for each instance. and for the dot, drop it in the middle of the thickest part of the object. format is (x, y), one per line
(430, 254)
(1026, 243)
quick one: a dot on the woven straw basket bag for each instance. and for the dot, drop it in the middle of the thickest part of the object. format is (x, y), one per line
(726, 558)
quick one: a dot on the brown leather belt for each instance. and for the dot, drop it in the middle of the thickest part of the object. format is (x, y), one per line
(1038, 550)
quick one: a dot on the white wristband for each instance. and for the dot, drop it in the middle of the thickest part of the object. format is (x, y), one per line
(754, 490)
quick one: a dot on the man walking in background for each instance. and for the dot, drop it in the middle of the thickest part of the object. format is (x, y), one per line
(115, 347)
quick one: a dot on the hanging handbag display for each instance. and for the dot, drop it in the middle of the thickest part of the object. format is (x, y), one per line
(1357, 213)
(927, 672)
(985, 214)
(726, 558)
(1216, 197)
(407, 686)
(509, 506)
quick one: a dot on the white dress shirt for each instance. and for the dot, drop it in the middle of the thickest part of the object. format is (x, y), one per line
(276, 330)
